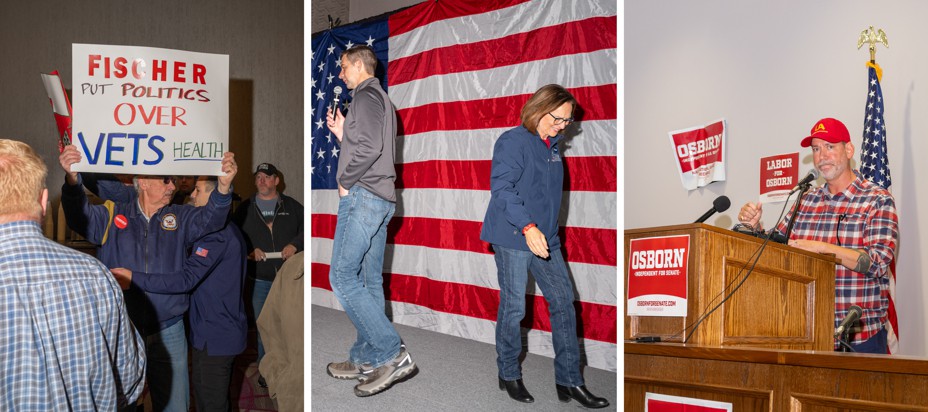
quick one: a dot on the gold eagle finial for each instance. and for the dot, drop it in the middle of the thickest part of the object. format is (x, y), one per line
(872, 37)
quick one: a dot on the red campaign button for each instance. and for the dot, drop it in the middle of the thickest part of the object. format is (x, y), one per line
(121, 221)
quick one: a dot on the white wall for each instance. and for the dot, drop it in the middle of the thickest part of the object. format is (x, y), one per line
(772, 69)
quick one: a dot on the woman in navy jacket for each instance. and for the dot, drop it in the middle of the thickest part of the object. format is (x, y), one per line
(521, 223)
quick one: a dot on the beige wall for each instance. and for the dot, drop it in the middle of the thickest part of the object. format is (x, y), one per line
(350, 11)
(362, 9)
(322, 9)
(264, 41)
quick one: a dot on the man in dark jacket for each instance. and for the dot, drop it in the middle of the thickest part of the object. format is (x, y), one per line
(150, 235)
(272, 223)
(214, 275)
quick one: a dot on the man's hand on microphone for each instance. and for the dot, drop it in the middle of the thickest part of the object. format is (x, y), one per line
(336, 123)
(750, 214)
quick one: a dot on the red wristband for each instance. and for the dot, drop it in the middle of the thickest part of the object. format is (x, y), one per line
(527, 227)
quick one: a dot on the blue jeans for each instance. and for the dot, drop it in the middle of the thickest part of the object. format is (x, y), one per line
(875, 344)
(356, 274)
(258, 297)
(167, 369)
(512, 267)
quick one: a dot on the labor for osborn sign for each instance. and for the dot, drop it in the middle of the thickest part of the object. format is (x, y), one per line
(778, 175)
(145, 110)
(657, 276)
(700, 154)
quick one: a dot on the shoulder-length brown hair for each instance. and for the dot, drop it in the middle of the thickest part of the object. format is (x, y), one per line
(545, 100)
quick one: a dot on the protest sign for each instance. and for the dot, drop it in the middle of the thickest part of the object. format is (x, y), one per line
(144, 110)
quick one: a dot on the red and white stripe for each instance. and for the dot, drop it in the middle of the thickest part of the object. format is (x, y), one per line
(459, 73)
(892, 337)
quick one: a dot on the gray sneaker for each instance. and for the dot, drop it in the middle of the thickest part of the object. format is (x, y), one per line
(348, 371)
(385, 376)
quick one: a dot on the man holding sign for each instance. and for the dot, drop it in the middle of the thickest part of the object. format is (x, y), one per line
(150, 235)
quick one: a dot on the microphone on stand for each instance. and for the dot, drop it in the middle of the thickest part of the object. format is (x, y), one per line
(720, 204)
(853, 315)
(813, 174)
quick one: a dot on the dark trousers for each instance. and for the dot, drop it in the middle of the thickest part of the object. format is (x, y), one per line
(211, 378)
(876, 344)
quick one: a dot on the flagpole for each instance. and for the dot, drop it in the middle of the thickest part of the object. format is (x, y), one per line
(874, 141)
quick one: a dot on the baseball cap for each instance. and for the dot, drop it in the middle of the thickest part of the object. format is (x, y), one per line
(266, 168)
(829, 130)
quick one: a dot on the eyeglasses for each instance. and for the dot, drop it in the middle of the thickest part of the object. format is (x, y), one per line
(170, 179)
(561, 120)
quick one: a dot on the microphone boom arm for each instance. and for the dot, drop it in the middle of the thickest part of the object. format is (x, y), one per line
(802, 192)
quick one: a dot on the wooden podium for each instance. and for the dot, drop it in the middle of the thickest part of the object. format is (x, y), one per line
(787, 302)
(774, 379)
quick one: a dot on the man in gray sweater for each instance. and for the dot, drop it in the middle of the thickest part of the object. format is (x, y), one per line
(367, 201)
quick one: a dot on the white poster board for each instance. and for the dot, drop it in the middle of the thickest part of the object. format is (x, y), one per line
(143, 110)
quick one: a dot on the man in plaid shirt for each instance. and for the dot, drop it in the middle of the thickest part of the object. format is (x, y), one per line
(853, 219)
(66, 342)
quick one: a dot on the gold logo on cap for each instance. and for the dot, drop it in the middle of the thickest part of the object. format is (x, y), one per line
(819, 128)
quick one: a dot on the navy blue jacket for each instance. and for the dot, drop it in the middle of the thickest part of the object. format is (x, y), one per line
(215, 272)
(526, 183)
(133, 242)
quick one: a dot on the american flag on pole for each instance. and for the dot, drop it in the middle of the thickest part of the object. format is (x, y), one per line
(459, 72)
(874, 166)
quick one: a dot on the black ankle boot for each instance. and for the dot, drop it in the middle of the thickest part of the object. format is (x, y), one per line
(580, 394)
(516, 390)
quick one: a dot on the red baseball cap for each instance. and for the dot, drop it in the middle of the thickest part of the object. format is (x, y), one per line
(829, 130)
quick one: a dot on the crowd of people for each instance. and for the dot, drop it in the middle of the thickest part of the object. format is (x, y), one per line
(168, 281)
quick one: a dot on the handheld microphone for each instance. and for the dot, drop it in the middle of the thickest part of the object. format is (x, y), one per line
(813, 174)
(338, 91)
(853, 315)
(720, 204)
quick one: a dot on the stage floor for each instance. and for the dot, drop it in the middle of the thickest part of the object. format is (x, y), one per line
(455, 374)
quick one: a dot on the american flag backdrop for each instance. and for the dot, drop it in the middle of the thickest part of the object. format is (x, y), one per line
(459, 72)
(874, 166)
